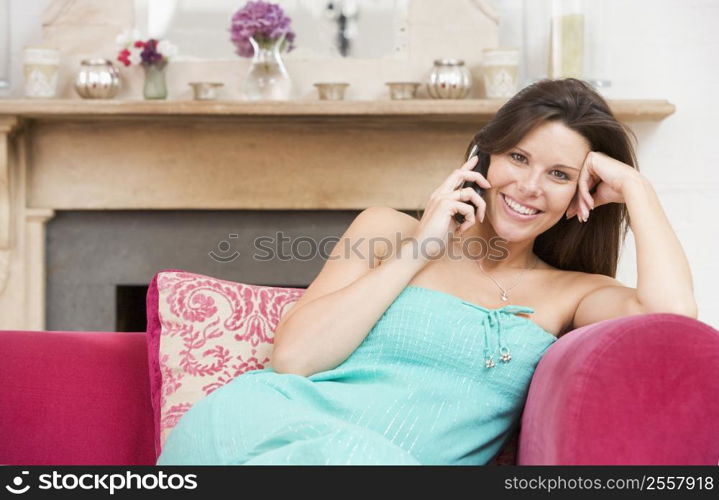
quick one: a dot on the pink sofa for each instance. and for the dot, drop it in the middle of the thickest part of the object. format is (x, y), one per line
(635, 390)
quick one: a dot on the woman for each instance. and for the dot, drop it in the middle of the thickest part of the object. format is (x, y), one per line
(422, 352)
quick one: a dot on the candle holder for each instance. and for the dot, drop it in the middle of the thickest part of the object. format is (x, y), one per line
(564, 38)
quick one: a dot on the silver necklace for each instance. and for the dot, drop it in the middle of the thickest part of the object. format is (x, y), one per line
(505, 296)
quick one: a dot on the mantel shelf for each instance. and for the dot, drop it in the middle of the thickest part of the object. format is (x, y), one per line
(465, 110)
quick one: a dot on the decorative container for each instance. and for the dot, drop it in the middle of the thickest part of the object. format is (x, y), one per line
(403, 90)
(267, 78)
(97, 79)
(565, 38)
(331, 91)
(155, 86)
(40, 68)
(500, 71)
(205, 91)
(449, 79)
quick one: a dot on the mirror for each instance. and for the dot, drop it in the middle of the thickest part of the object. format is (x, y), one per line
(363, 29)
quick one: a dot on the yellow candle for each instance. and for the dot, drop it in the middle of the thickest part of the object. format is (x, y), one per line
(566, 46)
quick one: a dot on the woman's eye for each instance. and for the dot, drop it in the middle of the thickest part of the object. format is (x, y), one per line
(521, 158)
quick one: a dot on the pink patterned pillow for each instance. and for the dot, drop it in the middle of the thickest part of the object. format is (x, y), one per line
(202, 332)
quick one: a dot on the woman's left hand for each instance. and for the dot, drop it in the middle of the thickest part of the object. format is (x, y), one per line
(610, 176)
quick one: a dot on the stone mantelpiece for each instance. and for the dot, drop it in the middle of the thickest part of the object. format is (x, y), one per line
(430, 111)
(84, 156)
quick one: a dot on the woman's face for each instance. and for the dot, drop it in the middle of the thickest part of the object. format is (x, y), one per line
(537, 177)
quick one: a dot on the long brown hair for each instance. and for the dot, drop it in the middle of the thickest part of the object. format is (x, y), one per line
(594, 246)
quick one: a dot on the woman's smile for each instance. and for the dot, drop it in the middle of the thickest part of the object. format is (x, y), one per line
(516, 210)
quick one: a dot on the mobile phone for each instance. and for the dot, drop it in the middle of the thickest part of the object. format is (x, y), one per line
(482, 167)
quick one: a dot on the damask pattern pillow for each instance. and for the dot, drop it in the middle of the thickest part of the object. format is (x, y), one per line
(202, 332)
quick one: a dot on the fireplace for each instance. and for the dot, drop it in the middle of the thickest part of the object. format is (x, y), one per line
(99, 263)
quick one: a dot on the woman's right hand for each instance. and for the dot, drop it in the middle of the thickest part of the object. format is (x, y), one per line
(447, 200)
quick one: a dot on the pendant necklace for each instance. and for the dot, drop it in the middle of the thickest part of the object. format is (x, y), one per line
(505, 295)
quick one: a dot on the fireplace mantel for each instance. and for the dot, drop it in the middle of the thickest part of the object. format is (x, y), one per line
(431, 110)
(69, 154)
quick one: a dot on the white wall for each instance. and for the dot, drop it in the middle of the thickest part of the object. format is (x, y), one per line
(662, 49)
(668, 49)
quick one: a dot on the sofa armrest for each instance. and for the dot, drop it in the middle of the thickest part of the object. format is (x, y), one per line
(635, 390)
(75, 398)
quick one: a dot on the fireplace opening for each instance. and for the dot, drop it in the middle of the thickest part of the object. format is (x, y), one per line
(130, 308)
(101, 262)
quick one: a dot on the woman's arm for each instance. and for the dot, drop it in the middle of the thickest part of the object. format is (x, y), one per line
(664, 280)
(348, 297)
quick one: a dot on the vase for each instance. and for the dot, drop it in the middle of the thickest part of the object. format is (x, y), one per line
(449, 79)
(97, 79)
(155, 85)
(267, 78)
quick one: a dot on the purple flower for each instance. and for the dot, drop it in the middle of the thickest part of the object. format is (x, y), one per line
(149, 53)
(264, 21)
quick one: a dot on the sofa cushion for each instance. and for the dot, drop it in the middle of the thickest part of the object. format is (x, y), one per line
(202, 332)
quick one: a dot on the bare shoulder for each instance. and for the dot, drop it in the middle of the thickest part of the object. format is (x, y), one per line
(569, 288)
(590, 281)
(388, 226)
(391, 221)
(388, 216)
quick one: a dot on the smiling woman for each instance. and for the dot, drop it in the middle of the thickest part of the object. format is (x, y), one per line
(423, 360)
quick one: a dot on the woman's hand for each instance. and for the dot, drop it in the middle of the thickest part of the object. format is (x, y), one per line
(438, 219)
(610, 176)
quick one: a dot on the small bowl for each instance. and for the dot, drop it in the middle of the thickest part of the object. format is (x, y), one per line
(332, 91)
(205, 91)
(403, 90)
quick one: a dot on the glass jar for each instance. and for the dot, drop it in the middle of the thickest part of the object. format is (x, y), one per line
(564, 38)
(155, 86)
(267, 78)
(97, 79)
(500, 71)
(449, 79)
(41, 67)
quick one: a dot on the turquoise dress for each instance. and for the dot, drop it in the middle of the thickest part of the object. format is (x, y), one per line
(427, 386)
